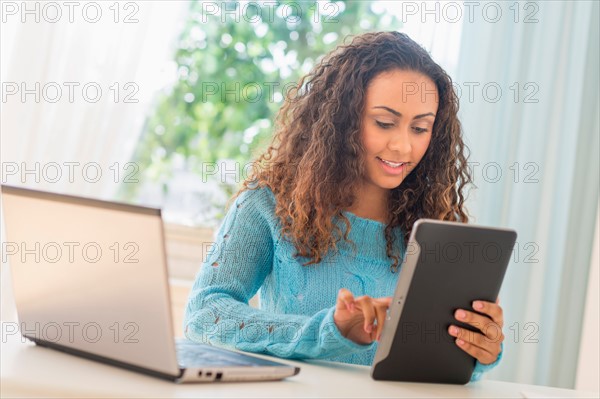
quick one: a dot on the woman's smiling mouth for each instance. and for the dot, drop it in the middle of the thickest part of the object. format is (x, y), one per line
(391, 167)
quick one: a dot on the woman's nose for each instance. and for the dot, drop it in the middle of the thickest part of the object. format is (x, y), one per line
(400, 142)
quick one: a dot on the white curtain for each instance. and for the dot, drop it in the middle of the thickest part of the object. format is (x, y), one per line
(535, 160)
(80, 142)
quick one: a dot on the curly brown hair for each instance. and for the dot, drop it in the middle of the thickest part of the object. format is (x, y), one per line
(315, 164)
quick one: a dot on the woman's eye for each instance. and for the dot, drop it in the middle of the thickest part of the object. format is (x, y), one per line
(384, 125)
(420, 130)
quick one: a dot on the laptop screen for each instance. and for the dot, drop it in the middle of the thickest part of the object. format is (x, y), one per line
(90, 275)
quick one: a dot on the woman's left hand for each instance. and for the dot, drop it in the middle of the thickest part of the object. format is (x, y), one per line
(483, 347)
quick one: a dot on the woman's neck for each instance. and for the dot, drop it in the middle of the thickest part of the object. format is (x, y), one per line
(371, 203)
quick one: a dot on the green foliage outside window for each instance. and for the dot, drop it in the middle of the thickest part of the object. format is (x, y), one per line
(233, 70)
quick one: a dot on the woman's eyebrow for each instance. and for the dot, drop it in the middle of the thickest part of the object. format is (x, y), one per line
(393, 111)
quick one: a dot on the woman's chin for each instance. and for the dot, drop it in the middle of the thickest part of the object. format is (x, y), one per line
(389, 184)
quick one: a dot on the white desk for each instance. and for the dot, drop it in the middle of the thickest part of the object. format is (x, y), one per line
(27, 370)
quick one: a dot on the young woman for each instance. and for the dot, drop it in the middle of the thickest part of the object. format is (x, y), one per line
(369, 143)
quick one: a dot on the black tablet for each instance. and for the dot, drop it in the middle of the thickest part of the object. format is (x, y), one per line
(447, 266)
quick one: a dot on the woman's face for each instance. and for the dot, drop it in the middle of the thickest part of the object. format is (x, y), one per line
(398, 116)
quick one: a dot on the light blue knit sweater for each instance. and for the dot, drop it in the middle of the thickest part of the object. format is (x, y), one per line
(295, 319)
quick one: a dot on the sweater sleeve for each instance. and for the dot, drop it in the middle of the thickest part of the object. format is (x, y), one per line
(217, 311)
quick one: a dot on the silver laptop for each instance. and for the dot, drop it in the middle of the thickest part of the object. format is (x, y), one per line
(90, 279)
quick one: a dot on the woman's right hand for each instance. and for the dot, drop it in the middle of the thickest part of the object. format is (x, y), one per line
(360, 319)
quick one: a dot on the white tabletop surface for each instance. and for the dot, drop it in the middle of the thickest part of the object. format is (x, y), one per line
(27, 370)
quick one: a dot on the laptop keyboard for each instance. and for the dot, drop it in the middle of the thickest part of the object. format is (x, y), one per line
(202, 355)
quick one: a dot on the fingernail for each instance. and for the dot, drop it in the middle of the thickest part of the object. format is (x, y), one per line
(453, 330)
(478, 305)
(461, 314)
(369, 328)
(460, 342)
